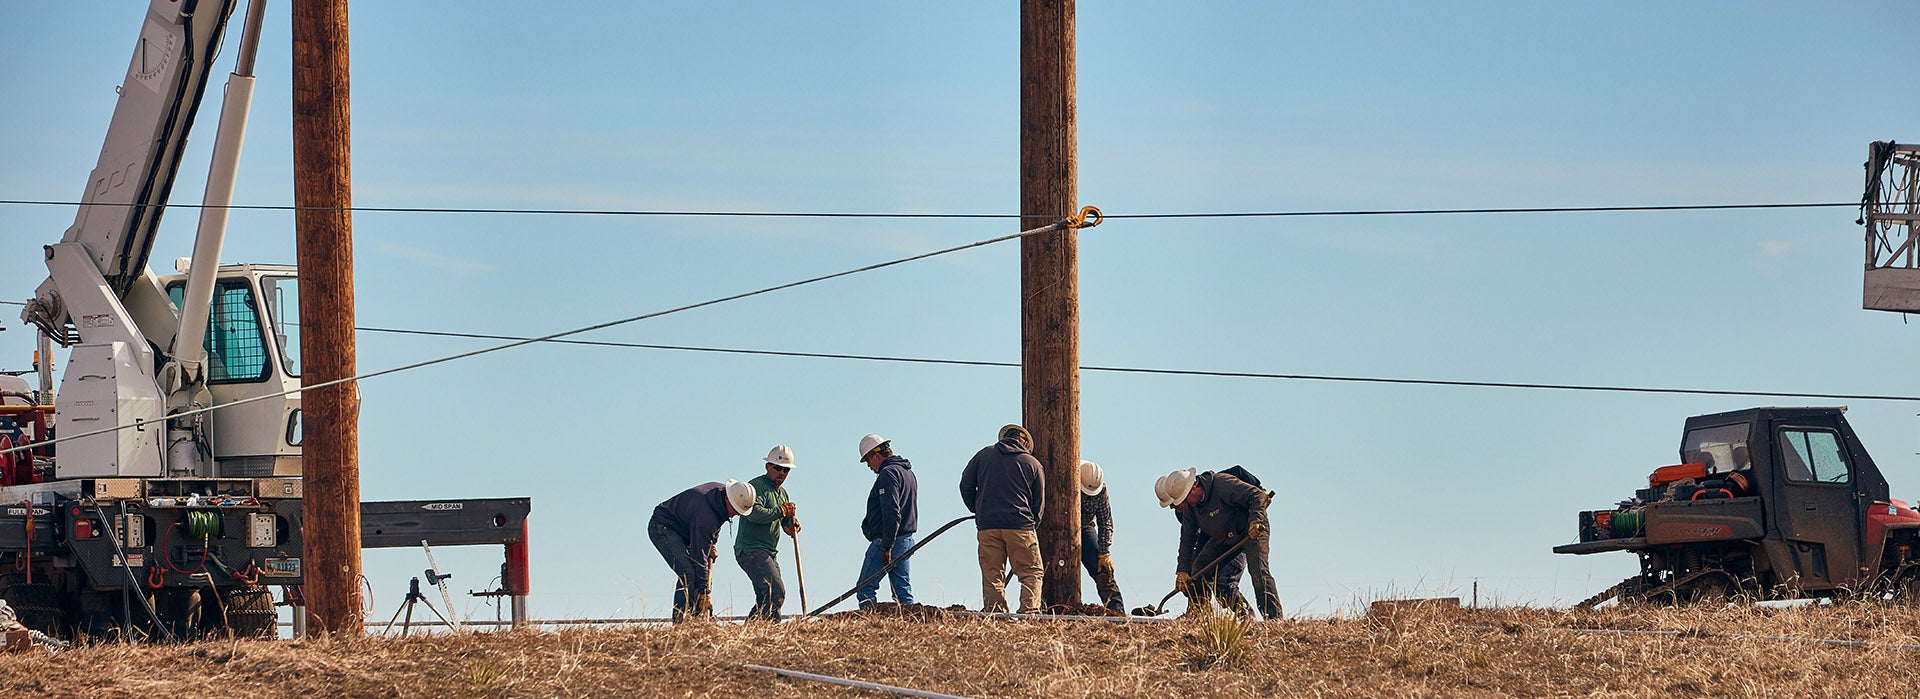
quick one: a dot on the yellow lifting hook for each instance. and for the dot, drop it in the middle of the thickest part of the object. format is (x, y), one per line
(1088, 217)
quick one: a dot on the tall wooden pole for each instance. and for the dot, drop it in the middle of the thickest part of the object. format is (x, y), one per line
(324, 235)
(1050, 283)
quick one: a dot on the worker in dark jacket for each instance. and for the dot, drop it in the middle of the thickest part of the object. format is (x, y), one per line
(1227, 510)
(686, 530)
(893, 515)
(1096, 535)
(1224, 579)
(1003, 487)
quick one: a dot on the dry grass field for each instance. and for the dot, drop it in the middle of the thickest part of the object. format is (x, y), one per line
(1730, 651)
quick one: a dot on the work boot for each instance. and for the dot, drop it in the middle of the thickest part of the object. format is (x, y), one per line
(1115, 604)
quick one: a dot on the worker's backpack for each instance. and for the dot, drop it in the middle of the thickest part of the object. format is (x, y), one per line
(1240, 472)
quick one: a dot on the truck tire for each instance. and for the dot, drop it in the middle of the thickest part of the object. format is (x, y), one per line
(36, 604)
(247, 612)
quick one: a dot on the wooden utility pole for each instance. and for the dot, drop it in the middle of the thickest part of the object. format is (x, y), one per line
(1050, 283)
(323, 227)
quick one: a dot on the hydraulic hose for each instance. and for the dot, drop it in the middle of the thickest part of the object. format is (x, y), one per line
(897, 560)
(114, 537)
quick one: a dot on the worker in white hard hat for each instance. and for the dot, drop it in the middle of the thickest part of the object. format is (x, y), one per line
(757, 544)
(1228, 510)
(686, 530)
(893, 515)
(1005, 490)
(1226, 575)
(1096, 535)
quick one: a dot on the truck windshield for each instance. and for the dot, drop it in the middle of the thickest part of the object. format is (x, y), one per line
(283, 309)
(1722, 448)
(236, 352)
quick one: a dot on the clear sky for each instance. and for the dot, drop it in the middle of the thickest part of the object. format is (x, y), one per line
(1183, 107)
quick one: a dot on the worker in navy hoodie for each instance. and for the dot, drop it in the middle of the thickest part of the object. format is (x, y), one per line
(1004, 487)
(686, 530)
(893, 515)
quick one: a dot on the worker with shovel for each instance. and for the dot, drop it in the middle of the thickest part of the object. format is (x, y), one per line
(1231, 513)
(686, 530)
(758, 542)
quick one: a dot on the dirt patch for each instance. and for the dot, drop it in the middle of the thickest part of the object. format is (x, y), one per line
(1082, 610)
(895, 610)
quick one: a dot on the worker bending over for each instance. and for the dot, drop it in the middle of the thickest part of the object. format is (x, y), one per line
(1004, 488)
(686, 529)
(758, 542)
(1227, 510)
(1096, 535)
(1225, 577)
(893, 515)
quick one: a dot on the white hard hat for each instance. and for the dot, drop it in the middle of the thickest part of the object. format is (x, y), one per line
(740, 496)
(1178, 484)
(780, 456)
(1092, 479)
(1160, 490)
(869, 443)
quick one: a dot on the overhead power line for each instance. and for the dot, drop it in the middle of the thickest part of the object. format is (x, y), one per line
(1088, 217)
(1168, 372)
(887, 215)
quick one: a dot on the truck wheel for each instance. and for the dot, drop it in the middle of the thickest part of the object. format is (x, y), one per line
(248, 612)
(181, 611)
(36, 605)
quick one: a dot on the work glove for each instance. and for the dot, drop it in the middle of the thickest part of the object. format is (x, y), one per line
(1255, 529)
(886, 554)
(1181, 583)
(792, 528)
(1105, 562)
(786, 509)
(713, 552)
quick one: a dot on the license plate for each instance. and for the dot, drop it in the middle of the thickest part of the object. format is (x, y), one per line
(281, 567)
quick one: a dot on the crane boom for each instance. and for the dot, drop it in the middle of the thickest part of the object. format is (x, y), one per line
(127, 190)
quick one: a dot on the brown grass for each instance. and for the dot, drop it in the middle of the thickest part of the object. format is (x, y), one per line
(1510, 652)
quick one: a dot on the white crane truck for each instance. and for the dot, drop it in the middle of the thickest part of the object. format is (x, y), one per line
(172, 499)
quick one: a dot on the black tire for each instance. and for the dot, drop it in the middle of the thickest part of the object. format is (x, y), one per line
(1714, 590)
(35, 604)
(247, 612)
(1906, 590)
(181, 612)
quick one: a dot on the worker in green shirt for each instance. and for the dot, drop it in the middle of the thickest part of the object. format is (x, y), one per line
(759, 538)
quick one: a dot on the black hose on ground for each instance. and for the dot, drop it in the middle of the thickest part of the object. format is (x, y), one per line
(897, 560)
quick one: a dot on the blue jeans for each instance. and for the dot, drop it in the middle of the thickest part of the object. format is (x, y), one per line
(769, 592)
(870, 590)
(690, 578)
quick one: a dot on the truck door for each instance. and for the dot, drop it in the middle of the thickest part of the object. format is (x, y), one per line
(1819, 513)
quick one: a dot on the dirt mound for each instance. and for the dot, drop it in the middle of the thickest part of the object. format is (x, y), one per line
(1082, 610)
(917, 612)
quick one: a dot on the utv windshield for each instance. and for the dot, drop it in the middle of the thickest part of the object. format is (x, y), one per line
(1722, 448)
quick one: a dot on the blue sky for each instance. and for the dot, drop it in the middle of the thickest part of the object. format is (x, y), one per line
(1187, 107)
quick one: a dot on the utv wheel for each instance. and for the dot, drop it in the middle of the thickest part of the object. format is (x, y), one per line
(1713, 590)
(1906, 590)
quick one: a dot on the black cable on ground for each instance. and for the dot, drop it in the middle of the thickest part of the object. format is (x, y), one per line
(882, 572)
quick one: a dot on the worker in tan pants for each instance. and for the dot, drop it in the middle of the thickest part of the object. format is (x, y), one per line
(1004, 487)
